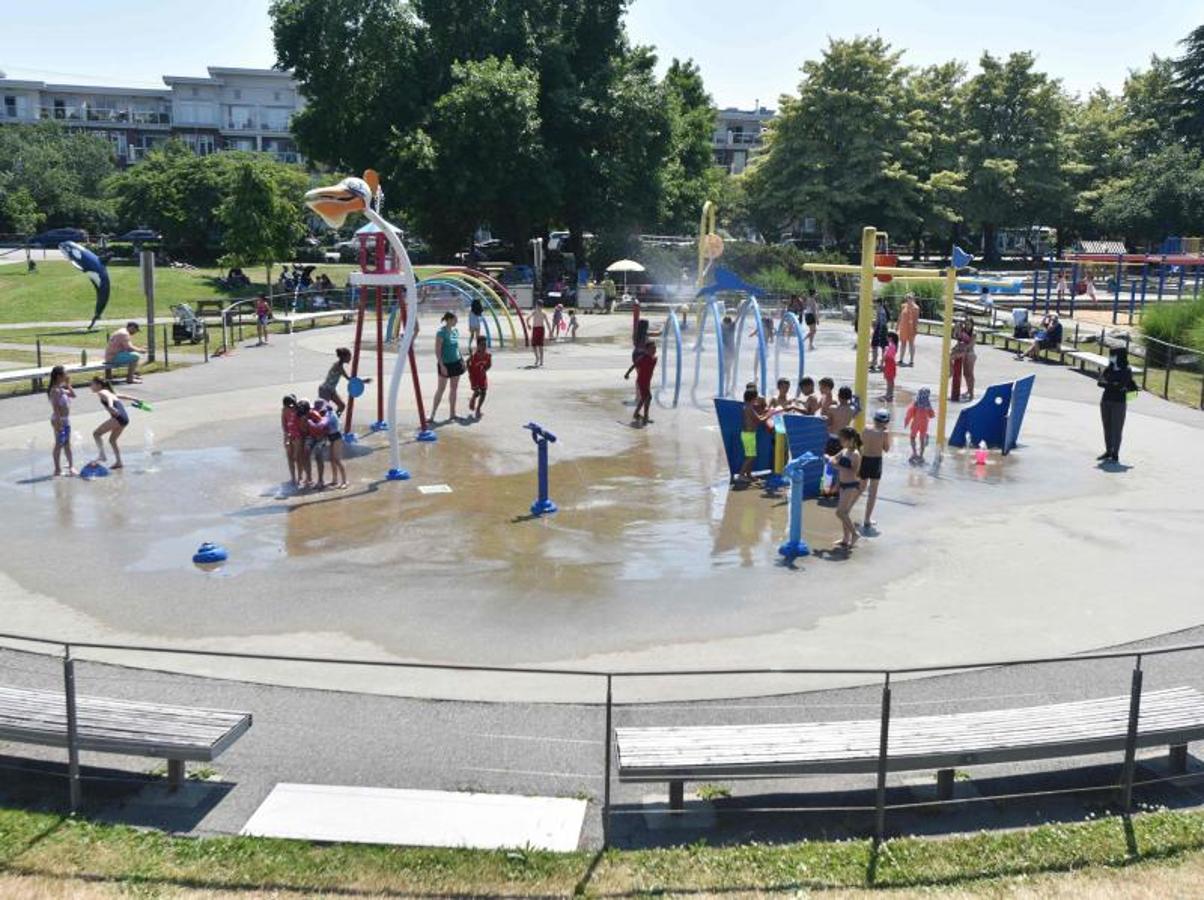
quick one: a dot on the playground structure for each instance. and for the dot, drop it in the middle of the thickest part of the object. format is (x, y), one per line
(1131, 279)
(468, 285)
(868, 271)
(710, 244)
(334, 205)
(543, 505)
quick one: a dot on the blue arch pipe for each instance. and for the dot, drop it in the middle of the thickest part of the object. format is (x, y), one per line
(468, 292)
(789, 318)
(712, 311)
(741, 316)
(671, 325)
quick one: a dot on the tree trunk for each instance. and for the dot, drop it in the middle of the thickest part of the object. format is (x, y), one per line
(990, 253)
(268, 269)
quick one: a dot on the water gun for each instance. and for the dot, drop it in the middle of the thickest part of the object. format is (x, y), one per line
(142, 405)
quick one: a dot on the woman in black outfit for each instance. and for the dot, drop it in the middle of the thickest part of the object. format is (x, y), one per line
(1117, 381)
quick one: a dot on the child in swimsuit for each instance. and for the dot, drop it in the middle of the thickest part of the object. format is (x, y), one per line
(847, 463)
(61, 395)
(557, 321)
(805, 400)
(290, 427)
(328, 390)
(114, 405)
(539, 327)
(334, 437)
(643, 365)
(263, 313)
(479, 365)
(918, 415)
(302, 450)
(890, 365)
(316, 440)
(781, 401)
(756, 413)
(875, 441)
(573, 324)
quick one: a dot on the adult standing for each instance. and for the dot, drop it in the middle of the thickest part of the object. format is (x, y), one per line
(965, 349)
(1117, 382)
(122, 351)
(811, 316)
(909, 326)
(451, 365)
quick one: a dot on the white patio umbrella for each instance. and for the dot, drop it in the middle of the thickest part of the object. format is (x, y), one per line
(625, 266)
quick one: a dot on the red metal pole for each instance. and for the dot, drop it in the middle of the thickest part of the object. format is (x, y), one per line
(423, 425)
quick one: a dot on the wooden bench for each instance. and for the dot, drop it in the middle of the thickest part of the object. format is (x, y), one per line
(37, 374)
(130, 728)
(1096, 360)
(1170, 718)
(291, 320)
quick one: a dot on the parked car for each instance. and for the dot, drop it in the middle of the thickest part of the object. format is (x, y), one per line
(56, 236)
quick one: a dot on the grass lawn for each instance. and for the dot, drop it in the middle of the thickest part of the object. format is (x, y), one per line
(59, 292)
(43, 854)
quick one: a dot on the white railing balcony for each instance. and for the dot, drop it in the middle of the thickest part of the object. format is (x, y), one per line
(247, 124)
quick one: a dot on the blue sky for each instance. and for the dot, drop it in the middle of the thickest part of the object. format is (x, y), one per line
(748, 50)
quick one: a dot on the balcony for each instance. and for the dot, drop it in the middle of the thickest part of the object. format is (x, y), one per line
(738, 139)
(247, 124)
(105, 116)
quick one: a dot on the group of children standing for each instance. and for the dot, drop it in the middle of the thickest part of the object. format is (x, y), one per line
(854, 458)
(312, 435)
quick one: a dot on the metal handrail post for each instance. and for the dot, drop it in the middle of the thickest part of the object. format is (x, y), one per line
(883, 744)
(1126, 792)
(72, 729)
(606, 743)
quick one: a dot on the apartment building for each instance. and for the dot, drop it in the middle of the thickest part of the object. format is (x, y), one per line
(738, 134)
(231, 109)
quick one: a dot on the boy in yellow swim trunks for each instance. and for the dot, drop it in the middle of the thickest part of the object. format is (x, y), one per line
(756, 413)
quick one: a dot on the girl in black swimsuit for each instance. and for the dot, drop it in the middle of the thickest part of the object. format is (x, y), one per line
(114, 405)
(848, 464)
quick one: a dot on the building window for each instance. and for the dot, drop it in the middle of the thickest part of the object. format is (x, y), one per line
(237, 94)
(10, 106)
(276, 96)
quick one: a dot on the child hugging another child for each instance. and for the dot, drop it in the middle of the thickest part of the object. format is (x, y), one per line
(756, 413)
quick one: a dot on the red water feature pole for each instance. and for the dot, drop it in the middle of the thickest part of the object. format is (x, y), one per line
(355, 361)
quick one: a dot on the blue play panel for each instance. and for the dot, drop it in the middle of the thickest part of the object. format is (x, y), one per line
(803, 434)
(996, 418)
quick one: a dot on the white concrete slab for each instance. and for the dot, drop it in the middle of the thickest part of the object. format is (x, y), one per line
(434, 489)
(361, 815)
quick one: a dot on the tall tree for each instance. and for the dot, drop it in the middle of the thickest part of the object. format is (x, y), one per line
(261, 215)
(931, 147)
(1161, 194)
(1189, 86)
(459, 179)
(833, 151)
(63, 171)
(689, 176)
(1151, 106)
(1014, 116)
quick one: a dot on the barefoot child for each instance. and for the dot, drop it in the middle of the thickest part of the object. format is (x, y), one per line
(61, 394)
(756, 413)
(290, 427)
(847, 462)
(328, 390)
(918, 415)
(316, 440)
(538, 320)
(263, 314)
(573, 324)
(334, 440)
(557, 321)
(301, 447)
(875, 441)
(114, 405)
(478, 365)
(890, 365)
(643, 365)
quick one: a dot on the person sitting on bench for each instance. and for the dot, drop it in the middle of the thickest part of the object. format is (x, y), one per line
(121, 351)
(1050, 338)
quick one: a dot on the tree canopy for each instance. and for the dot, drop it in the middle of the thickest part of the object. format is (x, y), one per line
(51, 176)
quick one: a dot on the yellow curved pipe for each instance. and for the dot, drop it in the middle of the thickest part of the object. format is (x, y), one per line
(487, 289)
(706, 225)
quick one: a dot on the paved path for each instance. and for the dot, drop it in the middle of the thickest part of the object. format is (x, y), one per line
(328, 736)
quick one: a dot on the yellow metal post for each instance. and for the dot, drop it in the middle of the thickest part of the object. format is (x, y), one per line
(706, 226)
(946, 347)
(865, 321)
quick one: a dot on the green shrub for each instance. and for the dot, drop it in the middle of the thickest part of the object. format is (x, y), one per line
(1180, 323)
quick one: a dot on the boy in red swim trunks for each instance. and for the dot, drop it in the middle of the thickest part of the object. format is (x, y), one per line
(478, 364)
(539, 329)
(644, 366)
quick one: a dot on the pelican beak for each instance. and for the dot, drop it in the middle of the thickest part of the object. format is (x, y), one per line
(334, 204)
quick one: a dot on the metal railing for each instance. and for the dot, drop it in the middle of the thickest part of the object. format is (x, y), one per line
(607, 679)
